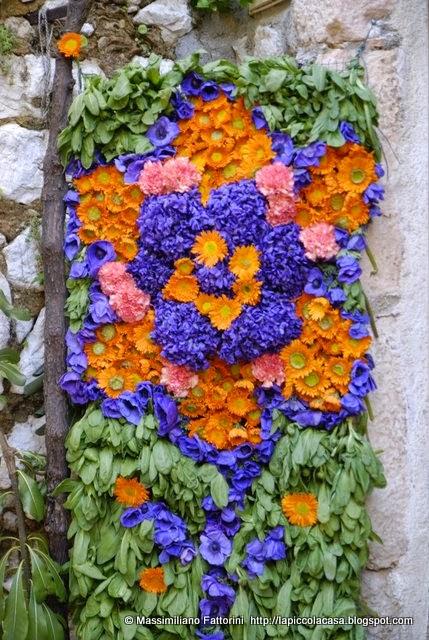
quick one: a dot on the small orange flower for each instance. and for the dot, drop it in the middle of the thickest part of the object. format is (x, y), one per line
(130, 492)
(70, 44)
(357, 170)
(300, 509)
(152, 580)
(225, 311)
(244, 262)
(210, 247)
(181, 288)
(239, 403)
(247, 291)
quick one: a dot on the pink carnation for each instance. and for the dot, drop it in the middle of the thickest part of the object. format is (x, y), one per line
(178, 379)
(111, 276)
(281, 209)
(130, 303)
(151, 179)
(268, 369)
(319, 241)
(275, 178)
(180, 175)
(176, 174)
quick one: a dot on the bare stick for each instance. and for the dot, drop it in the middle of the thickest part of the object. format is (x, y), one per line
(55, 292)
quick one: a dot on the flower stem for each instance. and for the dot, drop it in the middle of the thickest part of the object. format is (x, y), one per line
(371, 316)
(369, 408)
(372, 260)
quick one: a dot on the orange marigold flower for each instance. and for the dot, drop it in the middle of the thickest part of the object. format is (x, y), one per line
(237, 436)
(184, 266)
(244, 262)
(247, 291)
(314, 382)
(355, 347)
(298, 359)
(316, 193)
(357, 170)
(107, 179)
(181, 288)
(225, 311)
(338, 371)
(317, 308)
(300, 509)
(209, 247)
(152, 580)
(130, 492)
(70, 44)
(239, 403)
(205, 303)
(219, 424)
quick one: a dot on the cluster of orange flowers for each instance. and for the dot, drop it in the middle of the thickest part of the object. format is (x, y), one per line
(210, 248)
(223, 143)
(335, 192)
(109, 209)
(124, 355)
(221, 407)
(318, 364)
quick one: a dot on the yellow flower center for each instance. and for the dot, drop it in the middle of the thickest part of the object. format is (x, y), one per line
(312, 380)
(357, 175)
(302, 508)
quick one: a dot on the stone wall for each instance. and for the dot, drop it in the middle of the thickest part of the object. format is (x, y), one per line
(395, 55)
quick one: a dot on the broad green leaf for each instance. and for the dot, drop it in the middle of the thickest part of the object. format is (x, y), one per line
(55, 630)
(219, 490)
(15, 623)
(11, 373)
(37, 629)
(274, 79)
(31, 496)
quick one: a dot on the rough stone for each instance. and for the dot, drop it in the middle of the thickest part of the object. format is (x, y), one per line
(2, 240)
(20, 27)
(9, 521)
(333, 22)
(33, 353)
(54, 4)
(269, 41)
(22, 86)
(21, 161)
(171, 16)
(4, 320)
(164, 67)
(22, 259)
(22, 329)
(23, 437)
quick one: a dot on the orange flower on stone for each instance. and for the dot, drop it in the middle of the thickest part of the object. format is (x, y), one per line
(130, 492)
(152, 580)
(300, 509)
(70, 44)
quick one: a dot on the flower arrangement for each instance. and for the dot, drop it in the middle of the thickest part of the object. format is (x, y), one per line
(220, 326)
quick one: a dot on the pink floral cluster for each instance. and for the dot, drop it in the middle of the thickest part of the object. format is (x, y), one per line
(276, 182)
(175, 174)
(128, 301)
(319, 241)
(178, 379)
(268, 369)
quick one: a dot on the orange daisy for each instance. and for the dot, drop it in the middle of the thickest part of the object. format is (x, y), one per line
(239, 403)
(314, 382)
(357, 170)
(181, 288)
(152, 580)
(298, 359)
(70, 44)
(130, 492)
(300, 509)
(209, 248)
(224, 312)
(244, 262)
(247, 291)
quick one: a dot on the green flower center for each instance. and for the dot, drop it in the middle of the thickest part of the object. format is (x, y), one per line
(116, 383)
(108, 332)
(325, 323)
(298, 360)
(302, 509)
(338, 369)
(357, 176)
(312, 379)
(94, 214)
(337, 201)
(217, 135)
(98, 348)
(230, 170)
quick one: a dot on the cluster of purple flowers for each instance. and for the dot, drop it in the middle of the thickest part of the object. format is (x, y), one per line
(170, 532)
(258, 552)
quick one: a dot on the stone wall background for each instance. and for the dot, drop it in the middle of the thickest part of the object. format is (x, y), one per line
(330, 32)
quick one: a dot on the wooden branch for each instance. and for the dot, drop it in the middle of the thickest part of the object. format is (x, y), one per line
(54, 188)
(9, 459)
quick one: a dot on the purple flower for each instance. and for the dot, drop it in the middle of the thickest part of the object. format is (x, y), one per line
(349, 269)
(341, 237)
(362, 381)
(352, 404)
(215, 547)
(79, 270)
(310, 156)
(186, 337)
(184, 109)
(284, 265)
(357, 242)
(131, 164)
(349, 134)
(193, 448)
(131, 407)
(79, 391)
(97, 254)
(379, 170)
(216, 589)
(131, 517)
(110, 408)
(229, 89)
(192, 83)
(282, 145)
(217, 635)
(274, 546)
(187, 554)
(315, 285)
(373, 193)
(162, 132)
(150, 272)
(71, 245)
(259, 119)
(217, 279)
(211, 609)
(99, 311)
(166, 412)
(209, 90)
(336, 295)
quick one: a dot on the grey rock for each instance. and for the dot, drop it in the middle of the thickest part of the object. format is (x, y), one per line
(171, 16)
(22, 85)
(23, 437)
(4, 320)
(23, 261)
(33, 353)
(20, 27)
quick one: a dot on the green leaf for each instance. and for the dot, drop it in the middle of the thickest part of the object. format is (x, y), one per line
(88, 569)
(37, 629)
(15, 623)
(283, 606)
(3, 567)
(219, 490)
(274, 79)
(91, 103)
(162, 457)
(11, 373)
(31, 496)
(55, 630)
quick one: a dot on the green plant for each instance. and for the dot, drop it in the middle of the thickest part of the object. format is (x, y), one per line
(306, 102)
(219, 5)
(7, 40)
